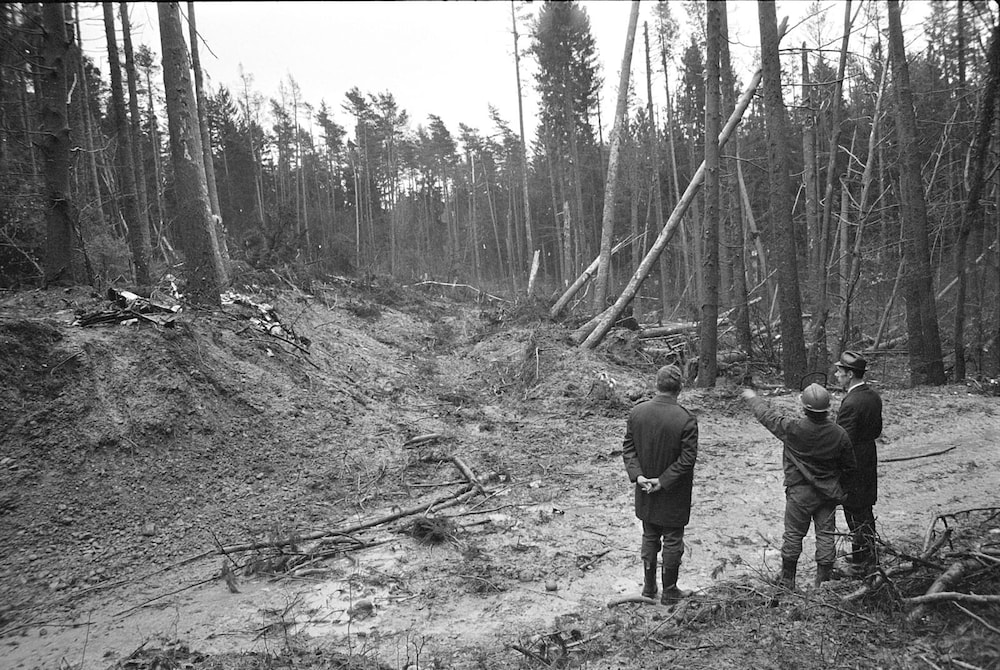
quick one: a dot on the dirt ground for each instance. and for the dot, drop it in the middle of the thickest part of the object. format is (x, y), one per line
(139, 463)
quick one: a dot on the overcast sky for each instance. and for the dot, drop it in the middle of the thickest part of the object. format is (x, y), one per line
(452, 59)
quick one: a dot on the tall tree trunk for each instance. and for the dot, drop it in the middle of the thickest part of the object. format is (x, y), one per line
(154, 141)
(972, 212)
(820, 355)
(708, 335)
(590, 334)
(133, 107)
(809, 178)
(523, 150)
(138, 227)
(637, 239)
(206, 143)
(203, 265)
(611, 185)
(926, 364)
(781, 237)
(87, 125)
(55, 145)
(675, 181)
(850, 279)
(473, 225)
(734, 229)
(657, 194)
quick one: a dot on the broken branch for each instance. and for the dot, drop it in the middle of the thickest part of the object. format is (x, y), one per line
(468, 473)
(913, 458)
(445, 501)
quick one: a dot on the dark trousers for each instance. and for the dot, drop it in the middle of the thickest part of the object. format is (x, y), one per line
(804, 506)
(671, 538)
(861, 521)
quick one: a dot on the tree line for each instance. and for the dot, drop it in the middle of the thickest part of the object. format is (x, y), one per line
(852, 204)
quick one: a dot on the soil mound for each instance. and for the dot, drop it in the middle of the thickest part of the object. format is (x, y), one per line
(355, 472)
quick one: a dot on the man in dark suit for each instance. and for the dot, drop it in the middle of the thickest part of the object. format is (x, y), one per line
(659, 450)
(861, 416)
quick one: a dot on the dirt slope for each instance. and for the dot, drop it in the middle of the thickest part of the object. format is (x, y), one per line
(127, 449)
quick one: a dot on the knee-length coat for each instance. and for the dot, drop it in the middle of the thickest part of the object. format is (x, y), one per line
(661, 442)
(861, 416)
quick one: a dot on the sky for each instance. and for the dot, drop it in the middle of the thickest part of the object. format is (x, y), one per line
(453, 59)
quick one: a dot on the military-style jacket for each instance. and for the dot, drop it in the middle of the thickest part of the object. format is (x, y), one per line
(661, 442)
(817, 451)
(861, 416)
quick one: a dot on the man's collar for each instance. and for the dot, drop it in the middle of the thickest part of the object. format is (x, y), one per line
(852, 386)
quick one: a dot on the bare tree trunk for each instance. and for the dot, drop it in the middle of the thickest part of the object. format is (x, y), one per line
(820, 355)
(138, 228)
(206, 142)
(202, 261)
(473, 224)
(926, 364)
(131, 73)
(637, 240)
(657, 195)
(850, 279)
(809, 178)
(664, 293)
(972, 212)
(87, 126)
(611, 186)
(781, 235)
(523, 148)
(734, 229)
(591, 333)
(55, 145)
(708, 339)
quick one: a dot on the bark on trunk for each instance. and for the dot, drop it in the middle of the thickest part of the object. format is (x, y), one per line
(59, 214)
(611, 186)
(708, 340)
(202, 266)
(206, 142)
(926, 364)
(781, 234)
(138, 230)
(972, 213)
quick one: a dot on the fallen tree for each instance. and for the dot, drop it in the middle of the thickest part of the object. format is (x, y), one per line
(591, 333)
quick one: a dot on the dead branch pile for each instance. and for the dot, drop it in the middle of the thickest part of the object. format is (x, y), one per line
(958, 563)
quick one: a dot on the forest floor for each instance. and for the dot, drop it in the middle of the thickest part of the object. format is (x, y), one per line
(212, 494)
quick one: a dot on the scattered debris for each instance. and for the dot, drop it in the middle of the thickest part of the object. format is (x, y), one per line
(265, 318)
(130, 308)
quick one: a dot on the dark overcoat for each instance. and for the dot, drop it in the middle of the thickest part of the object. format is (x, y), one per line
(661, 442)
(861, 416)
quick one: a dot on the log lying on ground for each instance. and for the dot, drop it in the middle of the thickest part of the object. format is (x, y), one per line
(669, 329)
(946, 581)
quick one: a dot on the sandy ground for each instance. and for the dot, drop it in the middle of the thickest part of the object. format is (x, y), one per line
(553, 540)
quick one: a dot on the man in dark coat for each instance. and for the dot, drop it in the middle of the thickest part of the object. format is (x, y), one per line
(659, 450)
(816, 457)
(861, 416)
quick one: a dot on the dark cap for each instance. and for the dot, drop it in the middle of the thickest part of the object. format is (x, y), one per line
(815, 398)
(668, 375)
(852, 361)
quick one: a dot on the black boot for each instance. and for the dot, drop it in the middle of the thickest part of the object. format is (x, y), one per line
(671, 594)
(649, 578)
(823, 573)
(787, 577)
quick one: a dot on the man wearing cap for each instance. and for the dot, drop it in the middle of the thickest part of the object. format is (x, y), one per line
(659, 450)
(816, 456)
(861, 416)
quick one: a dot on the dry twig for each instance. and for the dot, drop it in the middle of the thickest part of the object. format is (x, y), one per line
(977, 618)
